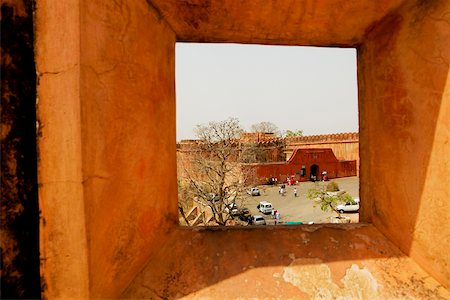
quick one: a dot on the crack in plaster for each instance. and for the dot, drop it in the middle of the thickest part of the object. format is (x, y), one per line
(57, 72)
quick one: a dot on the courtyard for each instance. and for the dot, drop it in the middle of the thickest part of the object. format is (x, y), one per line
(300, 208)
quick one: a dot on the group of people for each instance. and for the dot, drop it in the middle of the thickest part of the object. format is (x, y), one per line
(282, 190)
(276, 215)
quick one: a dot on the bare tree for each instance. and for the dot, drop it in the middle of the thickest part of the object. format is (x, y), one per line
(211, 172)
(266, 127)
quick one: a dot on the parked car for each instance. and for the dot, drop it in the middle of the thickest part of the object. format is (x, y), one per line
(258, 220)
(253, 191)
(232, 209)
(349, 206)
(265, 207)
(244, 214)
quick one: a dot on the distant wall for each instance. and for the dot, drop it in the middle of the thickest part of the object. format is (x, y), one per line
(344, 145)
(324, 159)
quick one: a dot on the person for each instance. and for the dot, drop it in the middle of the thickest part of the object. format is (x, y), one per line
(277, 217)
(295, 192)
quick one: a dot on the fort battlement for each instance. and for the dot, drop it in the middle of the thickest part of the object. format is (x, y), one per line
(324, 138)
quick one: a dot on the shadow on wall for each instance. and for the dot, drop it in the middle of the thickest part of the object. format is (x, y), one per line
(19, 237)
(403, 115)
(130, 149)
(257, 263)
(403, 98)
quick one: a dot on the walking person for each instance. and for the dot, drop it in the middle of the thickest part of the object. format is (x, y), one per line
(295, 192)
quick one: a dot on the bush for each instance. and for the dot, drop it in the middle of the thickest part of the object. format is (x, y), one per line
(332, 187)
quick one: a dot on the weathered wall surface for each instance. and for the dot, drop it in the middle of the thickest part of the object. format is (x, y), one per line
(62, 229)
(404, 107)
(107, 144)
(128, 132)
(19, 219)
(308, 262)
(288, 22)
(108, 161)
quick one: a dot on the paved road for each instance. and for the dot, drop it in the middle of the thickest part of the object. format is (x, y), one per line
(300, 208)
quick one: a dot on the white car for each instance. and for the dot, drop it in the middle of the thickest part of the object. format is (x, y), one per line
(348, 207)
(253, 191)
(265, 207)
(259, 220)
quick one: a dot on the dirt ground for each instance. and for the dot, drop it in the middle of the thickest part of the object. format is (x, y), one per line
(300, 208)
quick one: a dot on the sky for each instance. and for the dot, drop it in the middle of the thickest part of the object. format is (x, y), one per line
(313, 89)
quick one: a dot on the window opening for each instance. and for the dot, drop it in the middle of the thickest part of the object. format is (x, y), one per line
(266, 135)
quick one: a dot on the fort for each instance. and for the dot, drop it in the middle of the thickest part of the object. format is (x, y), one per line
(297, 158)
(93, 212)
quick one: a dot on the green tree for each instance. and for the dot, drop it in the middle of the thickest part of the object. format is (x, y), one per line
(327, 201)
(290, 133)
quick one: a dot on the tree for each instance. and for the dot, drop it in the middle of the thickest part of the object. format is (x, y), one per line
(265, 127)
(329, 200)
(211, 173)
(290, 133)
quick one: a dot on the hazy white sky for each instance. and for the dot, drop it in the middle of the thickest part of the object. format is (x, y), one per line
(309, 88)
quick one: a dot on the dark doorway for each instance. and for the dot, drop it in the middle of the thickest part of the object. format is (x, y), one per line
(313, 172)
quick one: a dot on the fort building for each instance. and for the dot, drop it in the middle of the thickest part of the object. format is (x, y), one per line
(267, 156)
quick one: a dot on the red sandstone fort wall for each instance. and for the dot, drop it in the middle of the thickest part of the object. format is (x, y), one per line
(305, 159)
(344, 145)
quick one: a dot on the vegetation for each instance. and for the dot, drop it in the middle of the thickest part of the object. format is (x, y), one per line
(212, 175)
(266, 127)
(290, 133)
(326, 200)
(332, 187)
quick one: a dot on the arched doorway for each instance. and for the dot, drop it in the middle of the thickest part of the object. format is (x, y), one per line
(313, 171)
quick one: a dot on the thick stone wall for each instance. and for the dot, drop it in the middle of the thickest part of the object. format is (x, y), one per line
(128, 116)
(108, 158)
(63, 241)
(404, 94)
(108, 143)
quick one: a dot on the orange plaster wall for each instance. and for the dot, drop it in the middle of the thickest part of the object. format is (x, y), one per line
(128, 132)
(287, 22)
(63, 251)
(404, 100)
(302, 262)
(108, 159)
